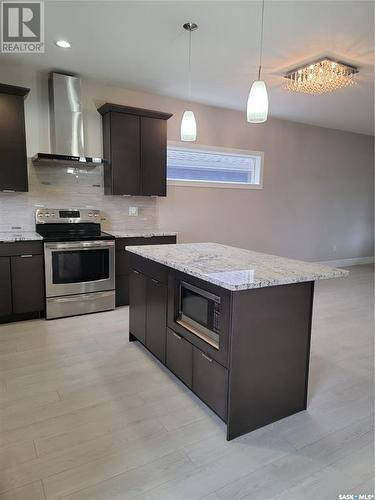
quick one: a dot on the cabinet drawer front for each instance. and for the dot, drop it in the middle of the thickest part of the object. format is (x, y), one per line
(210, 382)
(122, 256)
(21, 248)
(149, 268)
(180, 357)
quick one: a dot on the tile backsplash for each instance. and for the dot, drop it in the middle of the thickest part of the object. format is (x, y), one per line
(68, 187)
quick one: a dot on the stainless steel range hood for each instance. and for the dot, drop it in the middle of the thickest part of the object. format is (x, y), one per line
(66, 124)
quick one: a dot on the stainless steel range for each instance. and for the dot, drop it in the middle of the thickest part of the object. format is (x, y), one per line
(79, 262)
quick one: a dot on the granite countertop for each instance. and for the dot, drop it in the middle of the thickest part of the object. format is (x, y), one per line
(235, 268)
(147, 233)
(12, 236)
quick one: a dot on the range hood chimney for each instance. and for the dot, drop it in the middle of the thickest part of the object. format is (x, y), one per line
(66, 124)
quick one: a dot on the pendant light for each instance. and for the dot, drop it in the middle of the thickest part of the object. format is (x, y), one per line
(257, 103)
(188, 123)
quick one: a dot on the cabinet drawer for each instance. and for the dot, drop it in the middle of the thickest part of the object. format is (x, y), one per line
(210, 382)
(180, 357)
(21, 248)
(149, 268)
(122, 256)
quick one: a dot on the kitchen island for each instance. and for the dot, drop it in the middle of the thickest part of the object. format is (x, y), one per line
(232, 324)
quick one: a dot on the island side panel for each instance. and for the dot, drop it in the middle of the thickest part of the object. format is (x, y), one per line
(269, 355)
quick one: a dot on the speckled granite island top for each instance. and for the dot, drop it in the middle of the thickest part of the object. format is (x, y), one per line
(235, 268)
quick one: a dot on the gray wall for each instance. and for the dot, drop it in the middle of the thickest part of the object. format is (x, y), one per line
(317, 201)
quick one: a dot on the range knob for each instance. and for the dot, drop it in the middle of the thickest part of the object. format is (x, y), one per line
(96, 215)
(47, 214)
(90, 214)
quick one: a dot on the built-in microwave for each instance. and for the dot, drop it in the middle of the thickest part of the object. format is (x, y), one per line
(199, 312)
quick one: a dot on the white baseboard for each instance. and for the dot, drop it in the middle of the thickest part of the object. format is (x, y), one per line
(356, 261)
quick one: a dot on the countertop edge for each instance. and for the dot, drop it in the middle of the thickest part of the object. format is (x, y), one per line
(330, 274)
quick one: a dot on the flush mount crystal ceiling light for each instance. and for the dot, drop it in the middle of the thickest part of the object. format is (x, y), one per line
(188, 123)
(257, 102)
(319, 77)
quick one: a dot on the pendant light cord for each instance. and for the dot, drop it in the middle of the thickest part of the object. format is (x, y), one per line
(189, 66)
(261, 42)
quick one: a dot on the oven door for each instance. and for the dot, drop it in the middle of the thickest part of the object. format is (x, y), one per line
(79, 267)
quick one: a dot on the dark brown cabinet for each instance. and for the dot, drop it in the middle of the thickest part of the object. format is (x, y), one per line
(122, 262)
(179, 357)
(138, 300)
(135, 150)
(156, 318)
(27, 283)
(265, 376)
(148, 307)
(5, 287)
(154, 156)
(21, 280)
(13, 159)
(210, 382)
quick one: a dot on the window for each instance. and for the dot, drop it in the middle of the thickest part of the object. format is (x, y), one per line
(204, 166)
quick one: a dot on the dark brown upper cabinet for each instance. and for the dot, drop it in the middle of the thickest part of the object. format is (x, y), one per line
(13, 159)
(134, 150)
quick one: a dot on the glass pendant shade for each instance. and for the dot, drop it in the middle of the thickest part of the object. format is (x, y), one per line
(188, 127)
(257, 103)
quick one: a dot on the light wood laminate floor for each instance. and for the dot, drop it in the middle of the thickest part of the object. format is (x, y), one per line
(86, 415)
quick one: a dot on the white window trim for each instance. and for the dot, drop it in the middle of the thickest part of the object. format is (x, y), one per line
(220, 185)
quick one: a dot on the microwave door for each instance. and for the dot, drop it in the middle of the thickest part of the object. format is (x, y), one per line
(198, 311)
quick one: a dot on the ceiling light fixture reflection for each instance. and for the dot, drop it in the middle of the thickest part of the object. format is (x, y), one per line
(63, 44)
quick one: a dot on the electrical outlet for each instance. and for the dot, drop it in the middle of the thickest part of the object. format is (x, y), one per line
(133, 211)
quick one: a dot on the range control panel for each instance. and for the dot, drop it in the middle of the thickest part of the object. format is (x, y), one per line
(66, 215)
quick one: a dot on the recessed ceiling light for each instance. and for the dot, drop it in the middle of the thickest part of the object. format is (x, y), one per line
(63, 44)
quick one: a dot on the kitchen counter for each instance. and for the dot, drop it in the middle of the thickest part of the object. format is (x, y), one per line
(235, 268)
(11, 237)
(149, 233)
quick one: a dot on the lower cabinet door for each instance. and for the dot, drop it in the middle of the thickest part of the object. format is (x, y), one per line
(157, 297)
(5, 287)
(210, 382)
(137, 302)
(28, 283)
(179, 357)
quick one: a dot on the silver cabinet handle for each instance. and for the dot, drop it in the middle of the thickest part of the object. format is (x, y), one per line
(25, 256)
(136, 272)
(177, 336)
(206, 357)
(8, 191)
(155, 281)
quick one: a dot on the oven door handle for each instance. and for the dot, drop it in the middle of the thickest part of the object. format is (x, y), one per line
(84, 245)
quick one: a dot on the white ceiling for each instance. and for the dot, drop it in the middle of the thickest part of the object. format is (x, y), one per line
(142, 45)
